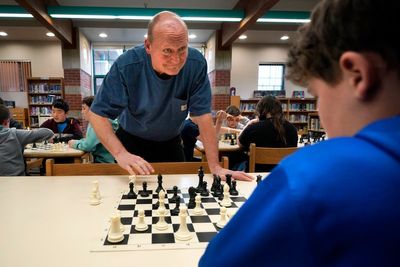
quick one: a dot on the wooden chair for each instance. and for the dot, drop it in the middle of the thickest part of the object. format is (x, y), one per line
(53, 169)
(267, 155)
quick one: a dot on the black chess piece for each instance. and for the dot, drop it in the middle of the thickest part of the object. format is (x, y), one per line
(233, 191)
(144, 192)
(175, 191)
(160, 180)
(131, 193)
(175, 211)
(232, 142)
(221, 192)
(199, 187)
(229, 180)
(34, 145)
(192, 195)
(205, 192)
(214, 184)
(259, 177)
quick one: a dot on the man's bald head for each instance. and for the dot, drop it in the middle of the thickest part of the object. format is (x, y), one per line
(163, 22)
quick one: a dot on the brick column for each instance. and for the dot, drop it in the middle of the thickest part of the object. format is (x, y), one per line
(220, 82)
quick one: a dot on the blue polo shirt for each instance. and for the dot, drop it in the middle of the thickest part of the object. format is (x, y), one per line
(148, 106)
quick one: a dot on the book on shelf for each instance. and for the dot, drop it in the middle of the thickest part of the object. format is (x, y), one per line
(298, 93)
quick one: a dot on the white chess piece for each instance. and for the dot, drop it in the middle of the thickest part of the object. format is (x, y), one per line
(198, 210)
(96, 188)
(93, 198)
(161, 200)
(122, 226)
(226, 201)
(183, 233)
(161, 224)
(222, 220)
(115, 235)
(141, 226)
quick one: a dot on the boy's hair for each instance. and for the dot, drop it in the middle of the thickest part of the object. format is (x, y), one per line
(4, 113)
(233, 110)
(61, 104)
(345, 25)
(88, 100)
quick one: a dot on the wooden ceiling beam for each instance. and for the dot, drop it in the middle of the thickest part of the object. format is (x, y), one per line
(254, 9)
(62, 28)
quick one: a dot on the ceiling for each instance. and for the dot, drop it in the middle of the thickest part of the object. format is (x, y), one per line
(131, 32)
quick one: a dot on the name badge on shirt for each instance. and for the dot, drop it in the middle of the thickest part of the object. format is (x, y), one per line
(183, 107)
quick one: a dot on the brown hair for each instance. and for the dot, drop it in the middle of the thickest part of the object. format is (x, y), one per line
(88, 100)
(344, 25)
(269, 105)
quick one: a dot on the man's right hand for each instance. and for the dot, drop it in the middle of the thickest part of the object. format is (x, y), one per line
(134, 164)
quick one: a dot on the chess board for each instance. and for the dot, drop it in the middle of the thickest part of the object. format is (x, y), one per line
(50, 147)
(203, 227)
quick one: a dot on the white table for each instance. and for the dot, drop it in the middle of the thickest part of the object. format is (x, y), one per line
(47, 221)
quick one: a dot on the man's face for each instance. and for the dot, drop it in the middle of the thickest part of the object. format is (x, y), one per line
(232, 121)
(168, 52)
(58, 114)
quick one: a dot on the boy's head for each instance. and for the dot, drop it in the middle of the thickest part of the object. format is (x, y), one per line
(86, 103)
(4, 115)
(59, 110)
(348, 56)
(269, 106)
(233, 116)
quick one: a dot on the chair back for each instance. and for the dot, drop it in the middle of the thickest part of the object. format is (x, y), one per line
(53, 169)
(267, 155)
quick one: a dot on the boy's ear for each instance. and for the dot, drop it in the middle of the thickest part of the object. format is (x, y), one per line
(361, 72)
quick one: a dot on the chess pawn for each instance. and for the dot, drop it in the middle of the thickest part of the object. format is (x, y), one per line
(115, 235)
(222, 220)
(141, 226)
(198, 210)
(93, 198)
(161, 201)
(226, 201)
(96, 187)
(183, 233)
(161, 224)
(122, 226)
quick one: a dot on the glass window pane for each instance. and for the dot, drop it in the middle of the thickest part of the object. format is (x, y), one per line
(271, 76)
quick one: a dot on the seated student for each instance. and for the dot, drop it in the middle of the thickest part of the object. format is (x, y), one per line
(64, 128)
(13, 142)
(270, 130)
(230, 120)
(91, 143)
(13, 123)
(335, 203)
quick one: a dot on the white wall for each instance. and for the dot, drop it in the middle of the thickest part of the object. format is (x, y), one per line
(245, 61)
(45, 58)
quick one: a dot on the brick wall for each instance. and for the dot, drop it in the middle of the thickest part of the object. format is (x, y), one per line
(220, 83)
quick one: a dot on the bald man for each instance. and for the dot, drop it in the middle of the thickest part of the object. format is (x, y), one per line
(151, 89)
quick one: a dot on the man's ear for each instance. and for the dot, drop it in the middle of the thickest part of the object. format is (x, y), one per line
(361, 73)
(147, 45)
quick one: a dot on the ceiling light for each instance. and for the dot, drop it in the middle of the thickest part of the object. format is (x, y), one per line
(50, 34)
(3, 34)
(284, 37)
(284, 20)
(103, 35)
(192, 36)
(242, 37)
(8, 11)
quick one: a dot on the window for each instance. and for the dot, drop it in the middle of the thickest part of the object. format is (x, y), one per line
(103, 59)
(271, 77)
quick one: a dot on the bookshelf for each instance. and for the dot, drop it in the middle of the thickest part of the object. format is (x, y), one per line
(41, 94)
(296, 110)
(314, 123)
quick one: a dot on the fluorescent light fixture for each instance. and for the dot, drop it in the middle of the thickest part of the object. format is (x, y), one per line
(50, 34)
(103, 35)
(284, 20)
(3, 34)
(284, 37)
(13, 12)
(295, 17)
(243, 37)
(211, 19)
(83, 16)
(192, 36)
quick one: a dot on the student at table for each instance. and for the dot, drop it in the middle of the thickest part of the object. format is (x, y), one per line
(335, 203)
(13, 123)
(91, 143)
(13, 142)
(151, 89)
(230, 120)
(64, 128)
(270, 129)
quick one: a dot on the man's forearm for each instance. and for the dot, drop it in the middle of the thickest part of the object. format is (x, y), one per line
(104, 131)
(209, 140)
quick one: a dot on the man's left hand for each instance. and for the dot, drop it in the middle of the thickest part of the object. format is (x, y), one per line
(237, 175)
